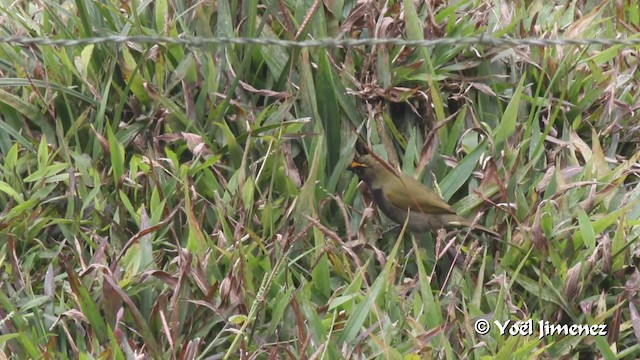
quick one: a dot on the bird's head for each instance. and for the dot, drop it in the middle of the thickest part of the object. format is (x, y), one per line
(369, 170)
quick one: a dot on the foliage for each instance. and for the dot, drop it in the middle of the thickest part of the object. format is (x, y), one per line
(178, 202)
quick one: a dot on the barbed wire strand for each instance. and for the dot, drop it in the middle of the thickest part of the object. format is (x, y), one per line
(319, 43)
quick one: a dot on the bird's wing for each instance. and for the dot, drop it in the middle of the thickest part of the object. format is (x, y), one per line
(425, 201)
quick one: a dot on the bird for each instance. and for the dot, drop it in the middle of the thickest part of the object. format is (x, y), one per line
(398, 195)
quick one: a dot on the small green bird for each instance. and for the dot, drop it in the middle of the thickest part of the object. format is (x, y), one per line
(397, 195)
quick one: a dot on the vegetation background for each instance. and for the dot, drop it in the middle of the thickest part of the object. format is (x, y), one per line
(170, 201)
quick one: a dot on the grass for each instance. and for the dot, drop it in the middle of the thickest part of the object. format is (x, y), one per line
(192, 202)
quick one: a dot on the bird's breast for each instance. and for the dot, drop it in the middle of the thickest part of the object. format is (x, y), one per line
(418, 222)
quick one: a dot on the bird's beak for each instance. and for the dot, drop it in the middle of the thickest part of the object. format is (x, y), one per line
(355, 165)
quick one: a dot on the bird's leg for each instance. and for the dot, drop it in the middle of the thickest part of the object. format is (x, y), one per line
(391, 228)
